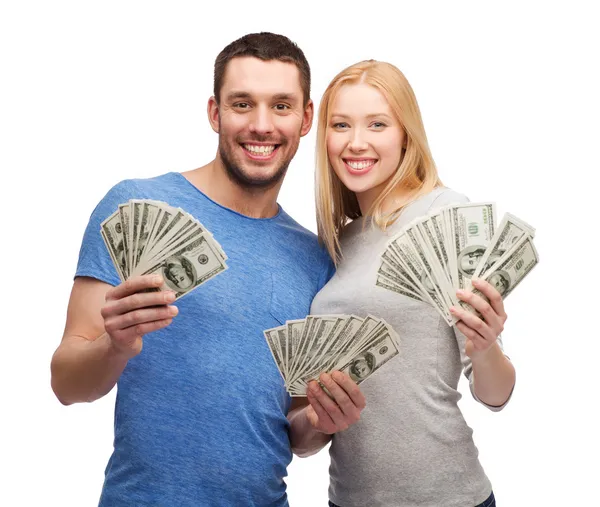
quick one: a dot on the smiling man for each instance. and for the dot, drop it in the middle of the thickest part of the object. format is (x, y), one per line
(200, 417)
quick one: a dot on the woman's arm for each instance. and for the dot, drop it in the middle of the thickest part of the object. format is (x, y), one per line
(314, 419)
(493, 373)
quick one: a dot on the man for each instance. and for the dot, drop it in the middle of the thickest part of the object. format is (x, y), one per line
(200, 416)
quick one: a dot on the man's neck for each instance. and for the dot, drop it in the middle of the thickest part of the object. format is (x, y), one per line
(213, 181)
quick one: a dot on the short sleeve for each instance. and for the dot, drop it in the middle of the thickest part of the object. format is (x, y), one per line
(94, 259)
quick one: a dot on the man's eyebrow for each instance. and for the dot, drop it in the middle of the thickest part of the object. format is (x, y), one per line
(234, 95)
(237, 95)
(286, 96)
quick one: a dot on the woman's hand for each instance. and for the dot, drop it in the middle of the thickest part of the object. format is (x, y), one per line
(481, 332)
(329, 415)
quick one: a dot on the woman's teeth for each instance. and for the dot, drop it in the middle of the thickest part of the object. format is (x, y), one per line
(360, 165)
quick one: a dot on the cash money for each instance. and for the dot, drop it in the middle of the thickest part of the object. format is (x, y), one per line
(303, 349)
(144, 237)
(436, 254)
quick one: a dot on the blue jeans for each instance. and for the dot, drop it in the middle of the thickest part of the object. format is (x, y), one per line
(490, 502)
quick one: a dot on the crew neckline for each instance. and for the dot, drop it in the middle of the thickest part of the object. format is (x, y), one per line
(279, 213)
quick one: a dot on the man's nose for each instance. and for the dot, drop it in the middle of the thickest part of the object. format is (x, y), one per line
(262, 121)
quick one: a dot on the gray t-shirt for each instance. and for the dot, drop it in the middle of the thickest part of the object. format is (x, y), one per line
(412, 446)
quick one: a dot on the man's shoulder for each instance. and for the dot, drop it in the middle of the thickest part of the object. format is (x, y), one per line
(130, 185)
(137, 188)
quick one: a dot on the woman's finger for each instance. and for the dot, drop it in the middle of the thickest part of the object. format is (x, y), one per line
(494, 297)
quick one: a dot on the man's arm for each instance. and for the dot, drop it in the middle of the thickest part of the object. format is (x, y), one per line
(104, 329)
(314, 419)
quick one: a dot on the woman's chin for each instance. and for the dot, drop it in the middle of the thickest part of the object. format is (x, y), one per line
(359, 188)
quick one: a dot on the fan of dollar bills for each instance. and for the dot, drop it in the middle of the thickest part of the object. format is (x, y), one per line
(145, 237)
(436, 254)
(305, 348)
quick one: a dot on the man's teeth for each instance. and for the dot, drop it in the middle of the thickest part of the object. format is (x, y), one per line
(259, 150)
(360, 165)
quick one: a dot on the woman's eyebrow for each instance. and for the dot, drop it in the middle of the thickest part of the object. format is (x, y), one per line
(369, 116)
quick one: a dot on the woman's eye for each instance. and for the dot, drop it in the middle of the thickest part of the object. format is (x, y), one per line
(340, 125)
(378, 125)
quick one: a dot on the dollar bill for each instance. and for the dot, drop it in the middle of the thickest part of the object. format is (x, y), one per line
(472, 231)
(510, 270)
(325, 343)
(112, 234)
(510, 230)
(372, 358)
(145, 236)
(434, 255)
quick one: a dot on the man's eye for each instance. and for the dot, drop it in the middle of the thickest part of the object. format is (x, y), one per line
(241, 105)
(282, 107)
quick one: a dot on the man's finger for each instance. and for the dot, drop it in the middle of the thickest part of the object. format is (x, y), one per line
(129, 334)
(137, 300)
(137, 317)
(133, 285)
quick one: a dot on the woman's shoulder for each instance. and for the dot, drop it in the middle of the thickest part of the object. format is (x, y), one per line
(438, 198)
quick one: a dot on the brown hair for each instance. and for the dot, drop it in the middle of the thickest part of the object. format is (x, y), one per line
(265, 46)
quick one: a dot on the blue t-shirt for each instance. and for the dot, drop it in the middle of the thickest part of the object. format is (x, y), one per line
(200, 415)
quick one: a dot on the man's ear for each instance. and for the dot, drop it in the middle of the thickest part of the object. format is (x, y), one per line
(307, 118)
(213, 114)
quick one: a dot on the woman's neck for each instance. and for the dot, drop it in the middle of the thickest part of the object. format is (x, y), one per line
(395, 200)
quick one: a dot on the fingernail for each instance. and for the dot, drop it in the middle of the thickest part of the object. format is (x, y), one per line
(475, 281)
(173, 310)
(169, 296)
(156, 279)
(460, 292)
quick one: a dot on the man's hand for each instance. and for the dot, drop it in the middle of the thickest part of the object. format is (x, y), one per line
(481, 333)
(129, 313)
(329, 415)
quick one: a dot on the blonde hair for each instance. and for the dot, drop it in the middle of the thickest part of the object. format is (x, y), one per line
(416, 172)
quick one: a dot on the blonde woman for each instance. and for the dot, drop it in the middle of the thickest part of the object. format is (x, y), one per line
(411, 446)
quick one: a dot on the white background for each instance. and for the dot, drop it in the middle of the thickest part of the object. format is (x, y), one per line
(95, 92)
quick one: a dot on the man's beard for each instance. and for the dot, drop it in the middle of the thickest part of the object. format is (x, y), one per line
(239, 177)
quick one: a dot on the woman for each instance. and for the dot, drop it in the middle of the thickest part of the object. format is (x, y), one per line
(412, 446)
